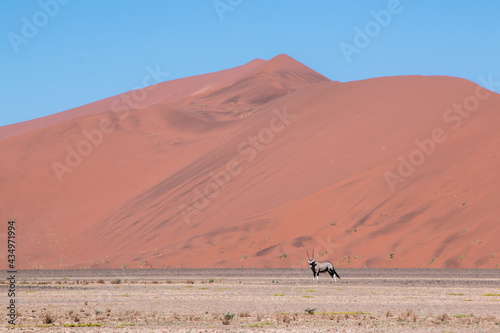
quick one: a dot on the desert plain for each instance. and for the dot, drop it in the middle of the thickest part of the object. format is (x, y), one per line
(257, 300)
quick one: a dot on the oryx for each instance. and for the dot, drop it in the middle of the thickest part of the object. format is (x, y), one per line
(321, 267)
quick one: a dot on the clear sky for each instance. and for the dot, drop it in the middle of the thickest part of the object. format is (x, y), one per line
(60, 54)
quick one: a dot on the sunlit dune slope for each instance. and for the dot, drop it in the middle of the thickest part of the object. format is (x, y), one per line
(271, 161)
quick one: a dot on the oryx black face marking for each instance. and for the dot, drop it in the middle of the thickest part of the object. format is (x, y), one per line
(321, 267)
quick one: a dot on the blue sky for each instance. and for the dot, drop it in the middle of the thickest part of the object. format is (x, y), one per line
(60, 54)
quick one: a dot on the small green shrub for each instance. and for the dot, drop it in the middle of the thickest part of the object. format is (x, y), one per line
(226, 318)
(310, 311)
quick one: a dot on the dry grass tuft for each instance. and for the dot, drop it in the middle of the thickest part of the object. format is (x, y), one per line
(441, 319)
(285, 317)
(73, 316)
(407, 316)
(244, 314)
(49, 318)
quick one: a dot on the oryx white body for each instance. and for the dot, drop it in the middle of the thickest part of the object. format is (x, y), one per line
(321, 267)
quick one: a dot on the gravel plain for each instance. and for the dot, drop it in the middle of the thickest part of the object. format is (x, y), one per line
(256, 300)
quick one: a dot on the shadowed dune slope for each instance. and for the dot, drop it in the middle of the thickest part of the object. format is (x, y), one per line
(254, 170)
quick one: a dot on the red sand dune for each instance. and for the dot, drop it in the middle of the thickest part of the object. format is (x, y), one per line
(252, 166)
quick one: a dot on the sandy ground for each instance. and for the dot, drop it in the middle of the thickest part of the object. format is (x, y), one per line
(188, 300)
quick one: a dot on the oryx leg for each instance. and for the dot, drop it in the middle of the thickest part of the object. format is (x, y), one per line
(334, 278)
